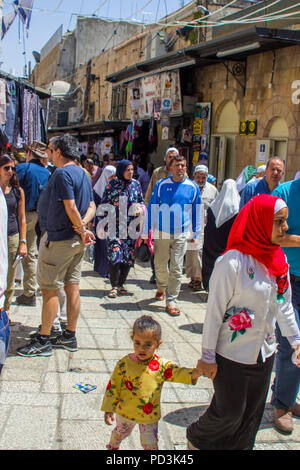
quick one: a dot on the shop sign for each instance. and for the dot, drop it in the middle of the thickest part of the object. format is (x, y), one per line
(152, 95)
(243, 127)
(248, 127)
(201, 133)
(252, 127)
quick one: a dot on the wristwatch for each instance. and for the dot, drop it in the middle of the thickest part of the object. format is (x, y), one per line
(23, 241)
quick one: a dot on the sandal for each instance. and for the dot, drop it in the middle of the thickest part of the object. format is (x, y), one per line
(122, 291)
(160, 295)
(173, 311)
(113, 293)
(191, 284)
(197, 285)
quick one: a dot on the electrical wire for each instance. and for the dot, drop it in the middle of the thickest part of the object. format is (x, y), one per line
(99, 7)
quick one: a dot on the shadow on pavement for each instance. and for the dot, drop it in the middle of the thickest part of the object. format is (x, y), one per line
(185, 416)
(193, 328)
(19, 336)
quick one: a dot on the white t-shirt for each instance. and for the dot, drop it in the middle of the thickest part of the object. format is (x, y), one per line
(3, 247)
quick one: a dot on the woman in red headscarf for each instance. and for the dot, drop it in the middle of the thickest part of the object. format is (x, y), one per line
(249, 291)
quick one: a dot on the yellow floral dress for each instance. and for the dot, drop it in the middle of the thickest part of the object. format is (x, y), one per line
(134, 389)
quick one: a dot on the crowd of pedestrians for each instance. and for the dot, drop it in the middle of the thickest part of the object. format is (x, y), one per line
(239, 243)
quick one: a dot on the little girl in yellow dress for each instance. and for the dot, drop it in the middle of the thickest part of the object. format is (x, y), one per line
(134, 390)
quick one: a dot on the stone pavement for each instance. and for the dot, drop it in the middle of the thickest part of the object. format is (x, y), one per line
(41, 410)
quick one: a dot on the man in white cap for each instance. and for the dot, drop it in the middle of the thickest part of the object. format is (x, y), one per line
(160, 172)
(193, 260)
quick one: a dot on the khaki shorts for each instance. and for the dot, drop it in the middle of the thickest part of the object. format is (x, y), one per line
(59, 263)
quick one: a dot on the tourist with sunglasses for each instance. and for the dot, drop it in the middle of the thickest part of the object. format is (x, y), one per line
(16, 227)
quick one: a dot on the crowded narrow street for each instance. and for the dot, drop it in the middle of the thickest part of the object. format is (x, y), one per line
(41, 409)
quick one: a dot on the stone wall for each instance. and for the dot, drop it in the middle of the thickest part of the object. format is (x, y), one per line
(266, 99)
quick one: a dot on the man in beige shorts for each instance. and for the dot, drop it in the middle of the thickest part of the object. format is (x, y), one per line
(69, 205)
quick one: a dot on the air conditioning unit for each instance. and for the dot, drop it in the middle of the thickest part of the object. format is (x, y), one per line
(74, 114)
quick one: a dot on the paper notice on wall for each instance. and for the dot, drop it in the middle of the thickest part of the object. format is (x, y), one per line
(145, 94)
(83, 148)
(262, 154)
(165, 133)
(106, 145)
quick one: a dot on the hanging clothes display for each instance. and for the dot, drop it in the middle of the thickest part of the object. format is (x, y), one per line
(22, 118)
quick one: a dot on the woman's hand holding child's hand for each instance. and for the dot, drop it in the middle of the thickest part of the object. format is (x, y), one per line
(109, 418)
(208, 370)
(196, 373)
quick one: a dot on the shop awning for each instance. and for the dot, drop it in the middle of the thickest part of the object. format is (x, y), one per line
(99, 127)
(235, 46)
(43, 94)
(240, 44)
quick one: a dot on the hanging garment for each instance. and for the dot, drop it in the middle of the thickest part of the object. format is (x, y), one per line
(11, 112)
(4, 100)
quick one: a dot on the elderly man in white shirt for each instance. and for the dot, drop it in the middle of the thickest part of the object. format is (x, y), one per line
(193, 260)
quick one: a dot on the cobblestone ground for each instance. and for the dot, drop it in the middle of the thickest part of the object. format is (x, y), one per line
(41, 410)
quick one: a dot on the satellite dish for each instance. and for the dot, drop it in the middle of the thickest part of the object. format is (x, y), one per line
(37, 56)
(59, 88)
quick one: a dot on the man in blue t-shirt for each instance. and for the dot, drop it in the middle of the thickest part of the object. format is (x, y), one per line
(286, 383)
(265, 185)
(62, 246)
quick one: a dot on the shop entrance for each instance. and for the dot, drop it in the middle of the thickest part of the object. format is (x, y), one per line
(223, 157)
(222, 162)
(274, 146)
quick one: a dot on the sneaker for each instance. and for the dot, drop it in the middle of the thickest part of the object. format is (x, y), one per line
(53, 334)
(35, 348)
(25, 300)
(70, 344)
(63, 325)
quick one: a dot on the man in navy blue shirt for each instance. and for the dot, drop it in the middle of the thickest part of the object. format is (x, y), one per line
(62, 246)
(33, 177)
(265, 185)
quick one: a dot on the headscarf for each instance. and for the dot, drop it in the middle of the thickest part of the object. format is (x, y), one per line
(121, 168)
(261, 169)
(226, 204)
(211, 178)
(251, 234)
(102, 182)
(244, 177)
(297, 175)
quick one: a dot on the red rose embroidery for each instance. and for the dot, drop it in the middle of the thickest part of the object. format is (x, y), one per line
(148, 408)
(129, 385)
(240, 321)
(282, 284)
(108, 385)
(153, 365)
(168, 373)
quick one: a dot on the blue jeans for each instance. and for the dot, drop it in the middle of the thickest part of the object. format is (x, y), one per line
(286, 384)
(4, 337)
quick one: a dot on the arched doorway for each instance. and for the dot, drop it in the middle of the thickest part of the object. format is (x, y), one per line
(223, 146)
(275, 144)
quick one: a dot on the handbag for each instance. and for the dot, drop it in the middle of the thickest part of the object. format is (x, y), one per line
(142, 253)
